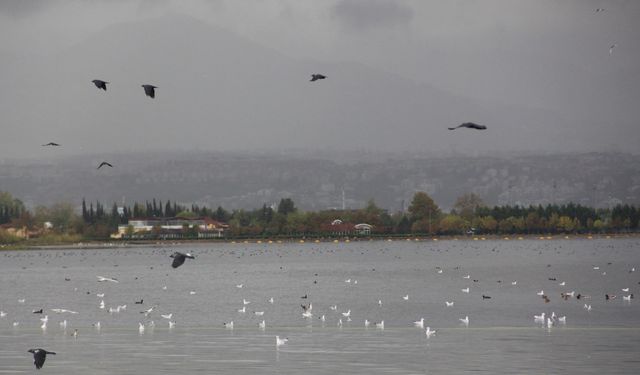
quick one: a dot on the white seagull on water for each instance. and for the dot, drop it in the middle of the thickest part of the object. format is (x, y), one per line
(465, 321)
(280, 342)
(419, 323)
(110, 279)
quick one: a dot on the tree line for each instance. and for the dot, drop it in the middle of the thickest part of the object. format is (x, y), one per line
(470, 215)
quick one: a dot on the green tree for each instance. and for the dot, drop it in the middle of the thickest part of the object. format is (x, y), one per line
(467, 205)
(286, 206)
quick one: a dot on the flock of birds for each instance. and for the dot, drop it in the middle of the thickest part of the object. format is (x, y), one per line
(150, 91)
(344, 315)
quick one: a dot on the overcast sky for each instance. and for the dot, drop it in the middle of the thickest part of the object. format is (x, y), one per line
(536, 55)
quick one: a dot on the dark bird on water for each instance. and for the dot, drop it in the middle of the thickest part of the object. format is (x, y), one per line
(179, 258)
(139, 302)
(315, 77)
(150, 90)
(39, 356)
(100, 84)
(52, 144)
(469, 125)
(37, 311)
(103, 164)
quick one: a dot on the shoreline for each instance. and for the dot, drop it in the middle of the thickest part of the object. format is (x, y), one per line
(101, 245)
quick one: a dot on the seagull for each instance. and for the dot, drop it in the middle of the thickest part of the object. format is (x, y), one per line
(100, 295)
(140, 328)
(429, 332)
(625, 289)
(21, 300)
(587, 307)
(60, 311)
(449, 304)
(15, 324)
(322, 318)
(150, 90)
(239, 286)
(179, 258)
(307, 314)
(562, 319)
(598, 10)
(75, 333)
(103, 164)
(262, 325)
(334, 307)
(63, 324)
(97, 325)
(465, 321)
(100, 84)
(466, 277)
(347, 314)
(562, 283)
(102, 304)
(192, 292)
(514, 282)
(366, 323)
(280, 342)
(245, 302)
(39, 356)
(340, 323)
(549, 323)
(380, 325)
(419, 323)
(347, 281)
(148, 311)
(271, 300)
(228, 325)
(44, 326)
(102, 279)
(315, 77)
(243, 309)
(52, 144)
(540, 293)
(2, 314)
(172, 324)
(406, 298)
(627, 298)
(167, 316)
(469, 125)
(379, 302)
(258, 313)
(539, 318)
(466, 290)
(45, 319)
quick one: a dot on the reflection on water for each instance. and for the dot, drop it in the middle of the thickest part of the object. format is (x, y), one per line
(502, 336)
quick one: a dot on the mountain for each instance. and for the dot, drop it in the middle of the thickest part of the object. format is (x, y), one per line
(242, 180)
(219, 91)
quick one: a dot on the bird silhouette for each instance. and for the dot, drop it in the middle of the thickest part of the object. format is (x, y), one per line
(100, 84)
(150, 90)
(103, 164)
(179, 258)
(315, 77)
(39, 356)
(52, 144)
(469, 125)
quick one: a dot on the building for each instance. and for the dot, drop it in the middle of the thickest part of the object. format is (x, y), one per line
(171, 228)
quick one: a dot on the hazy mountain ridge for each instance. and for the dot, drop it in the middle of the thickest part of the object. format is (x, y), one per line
(236, 181)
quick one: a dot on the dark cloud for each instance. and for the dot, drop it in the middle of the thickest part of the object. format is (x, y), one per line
(21, 8)
(368, 14)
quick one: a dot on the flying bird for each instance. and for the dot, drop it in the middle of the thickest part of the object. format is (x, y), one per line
(103, 164)
(470, 125)
(102, 279)
(39, 356)
(614, 45)
(315, 77)
(100, 84)
(150, 90)
(52, 144)
(179, 258)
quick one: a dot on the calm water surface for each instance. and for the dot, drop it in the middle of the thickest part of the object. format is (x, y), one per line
(502, 336)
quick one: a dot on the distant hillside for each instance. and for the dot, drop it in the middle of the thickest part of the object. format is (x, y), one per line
(249, 181)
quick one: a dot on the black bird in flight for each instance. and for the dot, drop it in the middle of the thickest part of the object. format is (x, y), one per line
(100, 84)
(150, 90)
(469, 125)
(52, 144)
(39, 356)
(179, 258)
(315, 77)
(103, 164)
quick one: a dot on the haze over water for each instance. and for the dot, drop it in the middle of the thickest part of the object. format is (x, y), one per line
(502, 336)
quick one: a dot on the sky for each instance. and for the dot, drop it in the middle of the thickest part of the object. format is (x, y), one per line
(540, 74)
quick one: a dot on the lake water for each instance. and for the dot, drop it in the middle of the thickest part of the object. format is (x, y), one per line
(502, 337)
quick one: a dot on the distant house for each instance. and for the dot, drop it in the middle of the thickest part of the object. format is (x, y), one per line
(338, 228)
(171, 228)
